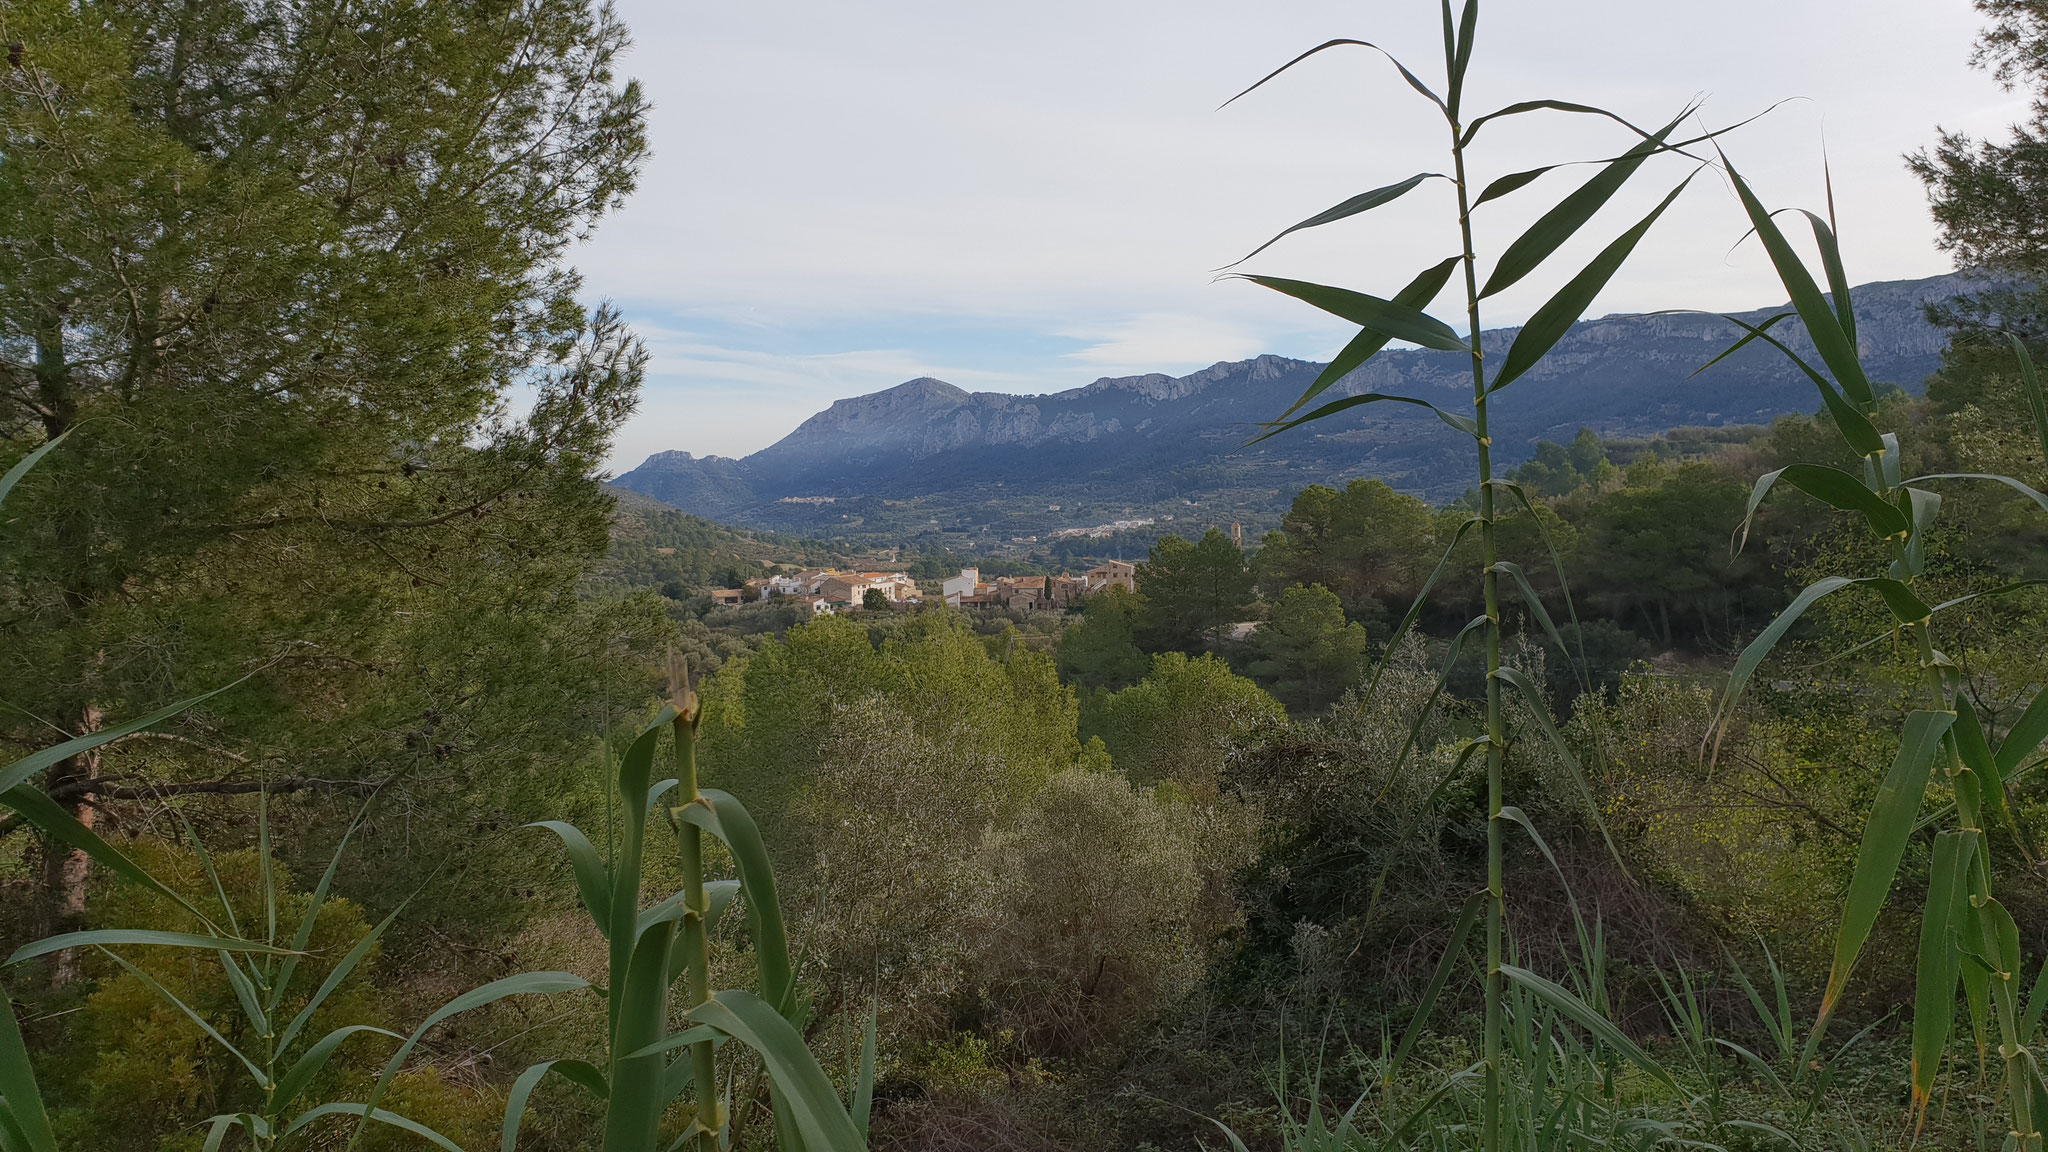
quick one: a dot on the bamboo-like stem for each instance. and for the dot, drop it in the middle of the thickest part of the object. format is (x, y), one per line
(1967, 789)
(1496, 731)
(696, 940)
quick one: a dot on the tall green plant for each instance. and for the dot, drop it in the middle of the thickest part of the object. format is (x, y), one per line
(652, 948)
(1402, 317)
(648, 950)
(649, 1064)
(1966, 934)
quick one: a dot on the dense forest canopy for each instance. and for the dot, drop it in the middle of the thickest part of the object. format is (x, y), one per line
(277, 272)
(414, 788)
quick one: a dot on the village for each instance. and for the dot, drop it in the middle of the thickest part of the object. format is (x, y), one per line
(828, 592)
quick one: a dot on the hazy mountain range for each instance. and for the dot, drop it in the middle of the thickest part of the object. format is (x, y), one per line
(927, 459)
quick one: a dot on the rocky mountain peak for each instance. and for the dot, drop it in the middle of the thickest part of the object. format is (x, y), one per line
(1171, 443)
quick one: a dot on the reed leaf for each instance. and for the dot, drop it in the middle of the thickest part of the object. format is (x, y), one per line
(368, 1114)
(40, 812)
(257, 1128)
(206, 865)
(1460, 932)
(170, 998)
(1977, 999)
(805, 1092)
(1754, 333)
(2037, 1001)
(22, 466)
(1975, 753)
(1459, 49)
(1466, 748)
(245, 993)
(524, 984)
(1457, 647)
(2030, 384)
(2001, 590)
(635, 777)
(103, 937)
(26, 768)
(633, 1114)
(1461, 423)
(20, 1096)
(1923, 508)
(1884, 844)
(1414, 81)
(722, 815)
(1854, 424)
(1392, 320)
(1363, 202)
(1831, 263)
(1996, 945)
(1833, 487)
(675, 1040)
(2025, 735)
(593, 879)
(1414, 612)
(2015, 485)
(1582, 1014)
(1417, 294)
(1934, 999)
(1533, 697)
(1523, 106)
(1564, 585)
(575, 1071)
(1511, 182)
(1513, 571)
(1563, 221)
(1823, 327)
(303, 937)
(1515, 814)
(1905, 607)
(1557, 315)
(2038, 1089)
(307, 1066)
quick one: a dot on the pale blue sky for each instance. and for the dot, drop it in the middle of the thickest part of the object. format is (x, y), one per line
(1023, 198)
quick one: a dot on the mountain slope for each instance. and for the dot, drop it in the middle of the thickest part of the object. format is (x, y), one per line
(926, 457)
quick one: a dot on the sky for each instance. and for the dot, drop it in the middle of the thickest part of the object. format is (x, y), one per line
(1027, 197)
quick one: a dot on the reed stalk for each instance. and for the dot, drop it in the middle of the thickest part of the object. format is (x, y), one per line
(1967, 937)
(696, 939)
(1403, 317)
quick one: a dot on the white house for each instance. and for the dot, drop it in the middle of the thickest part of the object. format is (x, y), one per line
(955, 587)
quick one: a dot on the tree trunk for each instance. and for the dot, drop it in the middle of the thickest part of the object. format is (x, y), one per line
(66, 870)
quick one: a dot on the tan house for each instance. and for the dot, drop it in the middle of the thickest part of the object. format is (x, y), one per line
(1023, 593)
(728, 596)
(842, 589)
(1063, 591)
(851, 588)
(1113, 574)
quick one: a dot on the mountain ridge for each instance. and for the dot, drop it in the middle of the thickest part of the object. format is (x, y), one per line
(924, 457)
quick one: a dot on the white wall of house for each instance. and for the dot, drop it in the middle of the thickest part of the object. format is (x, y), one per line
(954, 587)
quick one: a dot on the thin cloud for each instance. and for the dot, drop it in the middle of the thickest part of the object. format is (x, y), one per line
(1161, 342)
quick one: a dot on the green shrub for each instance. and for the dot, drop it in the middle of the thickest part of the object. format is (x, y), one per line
(1182, 722)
